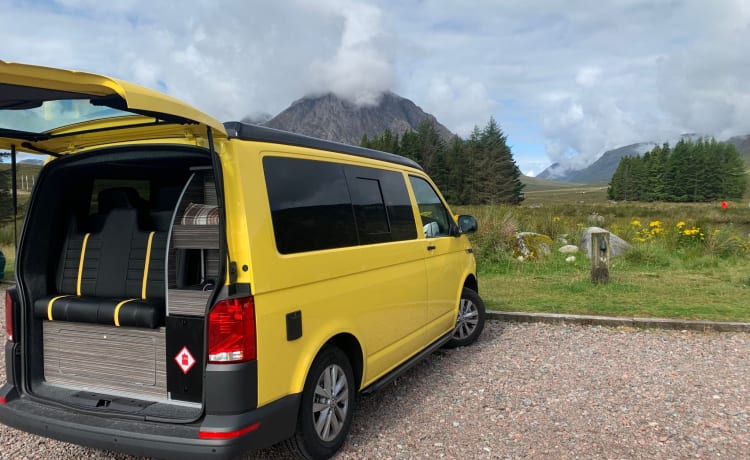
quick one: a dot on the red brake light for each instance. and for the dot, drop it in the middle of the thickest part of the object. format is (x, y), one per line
(9, 316)
(231, 331)
(228, 434)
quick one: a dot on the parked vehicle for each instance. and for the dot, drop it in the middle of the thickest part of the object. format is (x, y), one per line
(187, 288)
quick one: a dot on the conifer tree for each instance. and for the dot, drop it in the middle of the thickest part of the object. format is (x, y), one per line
(701, 170)
(478, 170)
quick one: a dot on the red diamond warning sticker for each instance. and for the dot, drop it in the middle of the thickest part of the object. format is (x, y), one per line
(185, 360)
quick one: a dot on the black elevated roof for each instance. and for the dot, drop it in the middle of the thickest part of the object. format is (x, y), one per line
(244, 131)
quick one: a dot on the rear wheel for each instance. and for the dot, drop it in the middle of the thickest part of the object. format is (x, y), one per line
(326, 409)
(470, 320)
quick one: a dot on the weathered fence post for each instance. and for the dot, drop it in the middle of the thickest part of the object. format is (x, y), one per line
(600, 257)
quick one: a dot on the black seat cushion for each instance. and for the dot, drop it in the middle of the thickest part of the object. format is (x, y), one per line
(117, 312)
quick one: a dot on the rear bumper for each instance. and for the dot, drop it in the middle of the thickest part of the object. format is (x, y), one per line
(276, 422)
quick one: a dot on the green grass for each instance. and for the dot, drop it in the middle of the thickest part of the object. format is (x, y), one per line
(714, 293)
(666, 274)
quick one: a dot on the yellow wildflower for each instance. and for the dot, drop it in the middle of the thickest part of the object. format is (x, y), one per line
(636, 223)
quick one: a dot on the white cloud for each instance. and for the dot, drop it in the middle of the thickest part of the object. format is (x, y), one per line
(361, 69)
(459, 102)
(587, 76)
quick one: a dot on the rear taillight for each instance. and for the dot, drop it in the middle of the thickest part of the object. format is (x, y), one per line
(231, 331)
(9, 316)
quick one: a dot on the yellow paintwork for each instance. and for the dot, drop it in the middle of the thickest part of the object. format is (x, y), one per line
(393, 298)
(136, 97)
(385, 295)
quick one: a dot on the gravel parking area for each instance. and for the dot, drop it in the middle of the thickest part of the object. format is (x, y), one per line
(541, 391)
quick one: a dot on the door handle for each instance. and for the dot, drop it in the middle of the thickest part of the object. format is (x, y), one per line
(431, 248)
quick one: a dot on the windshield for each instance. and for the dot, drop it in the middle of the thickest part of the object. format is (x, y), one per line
(56, 114)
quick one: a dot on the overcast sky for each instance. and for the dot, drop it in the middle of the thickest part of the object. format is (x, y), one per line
(566, 80)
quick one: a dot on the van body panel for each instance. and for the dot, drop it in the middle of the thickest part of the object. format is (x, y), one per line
(240, 196)
(384, 308)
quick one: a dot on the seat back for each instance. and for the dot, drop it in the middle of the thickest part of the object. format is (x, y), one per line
(120, 261)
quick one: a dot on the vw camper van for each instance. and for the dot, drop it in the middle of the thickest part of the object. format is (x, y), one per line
(193, 289)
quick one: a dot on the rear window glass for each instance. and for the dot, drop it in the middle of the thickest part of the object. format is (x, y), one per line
(107, 194)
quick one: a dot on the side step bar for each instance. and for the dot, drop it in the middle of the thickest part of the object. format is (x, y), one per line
(397, 372)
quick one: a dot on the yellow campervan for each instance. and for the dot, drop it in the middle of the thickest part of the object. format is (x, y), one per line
(187, 288)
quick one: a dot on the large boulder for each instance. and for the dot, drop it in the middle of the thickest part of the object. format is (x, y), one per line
(617, 246)
(530, 245)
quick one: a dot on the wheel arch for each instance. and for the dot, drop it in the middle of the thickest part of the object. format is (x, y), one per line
(471, 283)
(352, 349)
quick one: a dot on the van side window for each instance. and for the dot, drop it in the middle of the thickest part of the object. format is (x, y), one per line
(369, 210)
(435, 217)
(324, 205)
(310, 205)
(381, 205)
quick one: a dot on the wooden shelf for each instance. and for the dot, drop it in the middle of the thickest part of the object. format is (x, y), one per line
(195, 236)
(188, 302)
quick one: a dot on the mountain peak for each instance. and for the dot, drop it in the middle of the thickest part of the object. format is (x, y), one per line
(328, 116)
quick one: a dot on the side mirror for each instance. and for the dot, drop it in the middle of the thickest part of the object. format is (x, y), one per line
(467, 224)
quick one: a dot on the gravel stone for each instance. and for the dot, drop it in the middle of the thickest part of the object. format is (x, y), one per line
(539, 391)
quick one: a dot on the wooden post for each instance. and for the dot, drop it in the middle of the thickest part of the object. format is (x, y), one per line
(600, 257)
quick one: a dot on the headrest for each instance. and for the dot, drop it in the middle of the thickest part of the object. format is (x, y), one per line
(117, 198)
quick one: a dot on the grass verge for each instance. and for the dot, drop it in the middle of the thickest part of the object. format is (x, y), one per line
(687, 261)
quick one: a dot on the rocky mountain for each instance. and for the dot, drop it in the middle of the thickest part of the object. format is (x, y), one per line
(330, 117)
(600, 171)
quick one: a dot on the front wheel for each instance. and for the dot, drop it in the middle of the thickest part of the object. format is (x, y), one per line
(326, 409)
(470, 320)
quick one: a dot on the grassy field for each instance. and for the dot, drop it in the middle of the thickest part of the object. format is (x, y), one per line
(688, 261)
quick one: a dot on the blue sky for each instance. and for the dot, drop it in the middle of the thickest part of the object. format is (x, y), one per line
(566, 80)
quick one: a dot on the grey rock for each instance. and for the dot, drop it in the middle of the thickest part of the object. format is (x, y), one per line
(617, 246)
(528, 242)
(568, 249)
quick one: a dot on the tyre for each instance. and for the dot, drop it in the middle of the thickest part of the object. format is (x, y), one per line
(326, 409)
(470, 320)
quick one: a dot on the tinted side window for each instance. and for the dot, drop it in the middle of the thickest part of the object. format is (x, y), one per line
(310, 205)
(382, 205)
(369, 209)
(435, 217)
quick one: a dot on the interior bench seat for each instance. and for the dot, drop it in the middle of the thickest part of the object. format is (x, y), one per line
(114, 276)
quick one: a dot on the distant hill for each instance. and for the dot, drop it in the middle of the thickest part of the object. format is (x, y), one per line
(23, 168)
(600, 171)
(534, 184)
(331, 117)
(743, 146)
